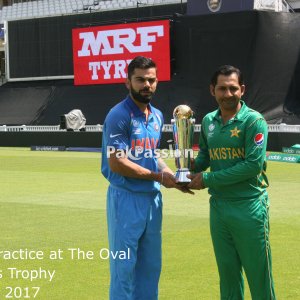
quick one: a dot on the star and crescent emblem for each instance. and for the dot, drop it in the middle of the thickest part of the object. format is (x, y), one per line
(235, 132)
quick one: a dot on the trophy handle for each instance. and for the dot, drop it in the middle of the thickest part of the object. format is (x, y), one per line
(175, 142)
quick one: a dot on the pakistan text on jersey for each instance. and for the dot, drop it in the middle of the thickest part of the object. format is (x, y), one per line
(226, 153)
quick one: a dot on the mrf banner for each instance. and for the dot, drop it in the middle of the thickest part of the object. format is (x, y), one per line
(101, 54)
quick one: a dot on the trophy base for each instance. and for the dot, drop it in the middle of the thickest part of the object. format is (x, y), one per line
(181, 176)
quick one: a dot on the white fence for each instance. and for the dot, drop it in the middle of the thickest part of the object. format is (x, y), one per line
(98, 128)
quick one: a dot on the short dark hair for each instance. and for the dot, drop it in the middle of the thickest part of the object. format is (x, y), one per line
(227, 70)
(140, 62)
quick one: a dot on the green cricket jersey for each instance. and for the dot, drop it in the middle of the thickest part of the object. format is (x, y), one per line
(235, 153)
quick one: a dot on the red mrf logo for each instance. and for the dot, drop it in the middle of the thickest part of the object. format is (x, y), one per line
(101, 54)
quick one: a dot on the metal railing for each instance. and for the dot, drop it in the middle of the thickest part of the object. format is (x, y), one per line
(98, 128)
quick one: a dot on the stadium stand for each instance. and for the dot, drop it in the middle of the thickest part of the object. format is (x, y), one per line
(294, 4)
(46, 8)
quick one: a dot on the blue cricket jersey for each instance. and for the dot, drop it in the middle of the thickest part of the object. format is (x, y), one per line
(125, 128)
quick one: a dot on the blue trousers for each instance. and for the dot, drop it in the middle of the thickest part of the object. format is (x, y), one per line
(134, 227)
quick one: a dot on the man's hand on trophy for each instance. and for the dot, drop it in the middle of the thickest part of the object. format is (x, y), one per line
(192, 164)
(168, 180)
(197, 182)
(184, 189)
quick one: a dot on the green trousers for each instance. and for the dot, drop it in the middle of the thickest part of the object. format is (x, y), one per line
(240, 236)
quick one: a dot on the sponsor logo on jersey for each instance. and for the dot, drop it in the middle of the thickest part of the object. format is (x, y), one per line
(259, 139)
(156, 127)
(144, 143)
(114, 135)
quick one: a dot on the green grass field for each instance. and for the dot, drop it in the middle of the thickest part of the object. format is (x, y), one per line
(54, 201)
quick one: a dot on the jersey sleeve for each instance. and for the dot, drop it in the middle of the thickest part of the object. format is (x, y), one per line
(202, 160)
(117, 127)
(251, 166)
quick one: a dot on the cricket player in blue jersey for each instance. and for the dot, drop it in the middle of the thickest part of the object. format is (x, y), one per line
(131, 135)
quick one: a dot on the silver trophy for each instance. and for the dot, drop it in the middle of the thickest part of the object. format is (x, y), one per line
(183, 133)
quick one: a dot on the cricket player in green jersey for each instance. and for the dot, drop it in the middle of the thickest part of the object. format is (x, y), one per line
(233, 144)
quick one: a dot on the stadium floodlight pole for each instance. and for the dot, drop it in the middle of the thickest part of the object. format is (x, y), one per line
(137, 9)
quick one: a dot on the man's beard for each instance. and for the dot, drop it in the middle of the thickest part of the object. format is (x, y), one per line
(139, 97)
(229, 104)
